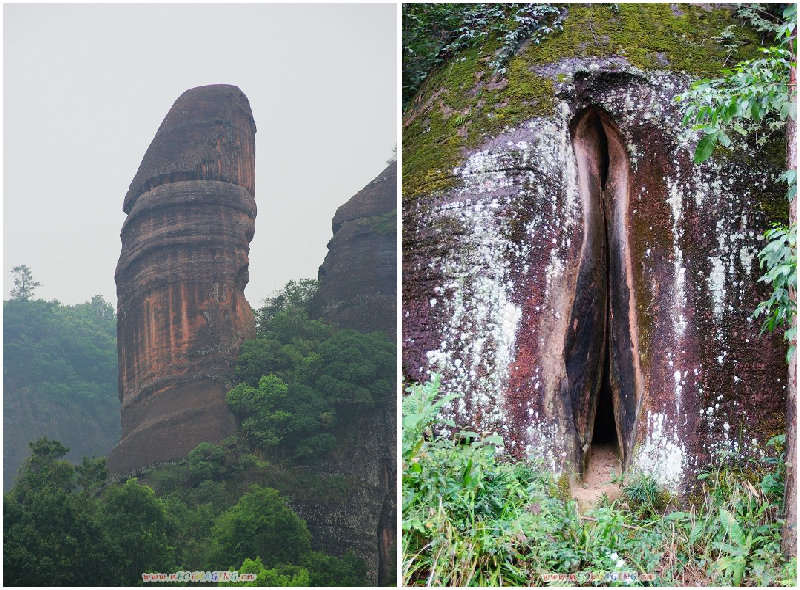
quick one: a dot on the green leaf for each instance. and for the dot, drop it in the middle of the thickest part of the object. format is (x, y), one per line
(495, 439)
(704, 148)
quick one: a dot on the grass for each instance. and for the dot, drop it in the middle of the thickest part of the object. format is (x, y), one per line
(471, 518)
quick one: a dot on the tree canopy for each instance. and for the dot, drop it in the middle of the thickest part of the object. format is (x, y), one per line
(24, 283)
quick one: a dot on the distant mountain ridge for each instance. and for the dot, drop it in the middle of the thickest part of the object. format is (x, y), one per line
(59, 379)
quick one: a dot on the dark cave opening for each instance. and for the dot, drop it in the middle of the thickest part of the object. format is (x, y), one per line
(605, 424)
(604, 428)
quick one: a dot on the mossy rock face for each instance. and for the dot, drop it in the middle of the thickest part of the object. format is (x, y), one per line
(465, 102)
(495, 223)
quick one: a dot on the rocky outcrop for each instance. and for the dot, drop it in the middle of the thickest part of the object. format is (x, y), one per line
(358, 279)
(571, 261)
(358, 291)
(359, 510)
(182, 314)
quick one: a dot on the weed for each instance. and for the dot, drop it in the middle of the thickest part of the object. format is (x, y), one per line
(471, 517)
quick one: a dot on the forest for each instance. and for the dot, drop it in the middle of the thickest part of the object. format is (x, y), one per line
(228, 507)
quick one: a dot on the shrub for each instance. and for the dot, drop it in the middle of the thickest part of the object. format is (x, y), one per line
(261, 525)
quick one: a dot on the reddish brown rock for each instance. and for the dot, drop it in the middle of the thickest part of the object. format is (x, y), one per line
(182, 314)
(358, 279)
(584, 277)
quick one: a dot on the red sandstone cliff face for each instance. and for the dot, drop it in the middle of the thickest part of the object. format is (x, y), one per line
(358, 279)
(182, 314)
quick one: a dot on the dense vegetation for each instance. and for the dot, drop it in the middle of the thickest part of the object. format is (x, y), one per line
(471, 518)
(433, 33)
(227, 506)
(64, 525)
(59, 374)
(302, 381)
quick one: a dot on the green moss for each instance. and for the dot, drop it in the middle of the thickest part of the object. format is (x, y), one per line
(650, 36)
(384, 225)
(464, 102)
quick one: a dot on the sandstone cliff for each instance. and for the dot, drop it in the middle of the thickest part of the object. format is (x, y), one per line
(358, 279)
(357, 290)
(182, 315)
(562, 252)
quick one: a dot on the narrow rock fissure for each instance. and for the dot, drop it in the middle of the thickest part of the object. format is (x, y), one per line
(596, 373)
(604, 430)
(604, 438)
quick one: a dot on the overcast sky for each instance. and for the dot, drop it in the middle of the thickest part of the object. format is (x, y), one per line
(86, 87)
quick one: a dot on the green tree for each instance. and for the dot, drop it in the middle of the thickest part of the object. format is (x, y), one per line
(206, 461)
(260, 525)
(24, 283)
(327, 570)
(308, 379)
(284, 576)
(45, 469)
(92, 474)
(136, 521)
(294, 296)
(356, 370)
(50, 532)
(295, 420)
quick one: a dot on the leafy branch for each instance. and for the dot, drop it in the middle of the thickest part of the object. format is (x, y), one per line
(779, 257)
(757, 93)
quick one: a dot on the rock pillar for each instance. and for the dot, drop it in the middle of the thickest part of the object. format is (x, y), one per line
(182, 314)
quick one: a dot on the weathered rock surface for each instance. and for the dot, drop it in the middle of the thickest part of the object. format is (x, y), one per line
(579, 259)
(358, 291)
(362, 515)
(358, 279)
(182, 314)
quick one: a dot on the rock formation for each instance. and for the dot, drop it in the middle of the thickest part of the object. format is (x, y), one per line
(182, 315)
(358, 279)
(571, 271)
(358, 291)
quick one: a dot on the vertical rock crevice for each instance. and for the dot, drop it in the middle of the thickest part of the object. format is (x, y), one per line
(600, 351)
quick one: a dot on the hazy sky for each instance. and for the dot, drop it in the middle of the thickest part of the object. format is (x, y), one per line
(86, 87)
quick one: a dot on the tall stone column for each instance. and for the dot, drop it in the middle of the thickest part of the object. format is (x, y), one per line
(182, 314)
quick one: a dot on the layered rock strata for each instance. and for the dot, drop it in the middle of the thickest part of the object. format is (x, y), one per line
(358, 278)
(358, 291)
(579, 263)
(182, 314)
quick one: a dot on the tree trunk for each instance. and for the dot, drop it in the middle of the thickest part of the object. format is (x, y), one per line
(789, 533)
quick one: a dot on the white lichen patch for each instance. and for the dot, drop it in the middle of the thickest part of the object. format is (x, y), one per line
(539, 445)
(716, 286)
(662, 453)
